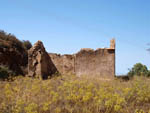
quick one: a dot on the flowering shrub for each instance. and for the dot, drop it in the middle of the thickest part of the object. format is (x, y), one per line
(69, 94)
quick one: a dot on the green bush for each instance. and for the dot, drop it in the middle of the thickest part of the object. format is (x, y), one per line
(10, 41)
(148, 74)
(139, 70)
(5, 72)
(15, 51)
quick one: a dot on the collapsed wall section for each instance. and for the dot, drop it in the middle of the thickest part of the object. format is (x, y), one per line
(63, 63)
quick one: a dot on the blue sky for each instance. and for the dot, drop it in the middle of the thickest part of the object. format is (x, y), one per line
(65, 26)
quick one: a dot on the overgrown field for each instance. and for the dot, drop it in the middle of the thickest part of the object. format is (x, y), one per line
(69, 94)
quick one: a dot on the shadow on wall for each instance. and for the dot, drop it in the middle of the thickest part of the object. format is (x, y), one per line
(40, 64)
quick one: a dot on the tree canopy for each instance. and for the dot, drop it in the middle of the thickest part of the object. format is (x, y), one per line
(8, 40)
(139, 70)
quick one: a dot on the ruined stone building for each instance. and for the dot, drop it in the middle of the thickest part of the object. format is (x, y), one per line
(89, 62)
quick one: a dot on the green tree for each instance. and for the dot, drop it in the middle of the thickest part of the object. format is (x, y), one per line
(139, 70)
(8, 40)
(27, 44)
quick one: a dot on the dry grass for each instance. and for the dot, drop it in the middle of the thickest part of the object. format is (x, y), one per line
(69, 94)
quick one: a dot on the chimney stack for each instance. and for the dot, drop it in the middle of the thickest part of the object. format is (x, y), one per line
(112, 44)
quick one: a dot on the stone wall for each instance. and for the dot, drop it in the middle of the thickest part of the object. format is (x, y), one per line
(64, 63)
(100, 62)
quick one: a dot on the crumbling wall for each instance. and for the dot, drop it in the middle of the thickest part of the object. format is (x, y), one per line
(63, 63)
(90, 62)
(99, 62)
(40, 64)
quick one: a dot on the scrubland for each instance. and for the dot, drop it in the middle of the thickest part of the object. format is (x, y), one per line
(70, 94)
